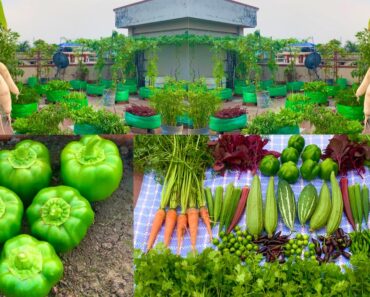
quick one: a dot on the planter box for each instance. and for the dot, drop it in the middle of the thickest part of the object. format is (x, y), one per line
(250, 98)
(136, 121)
(265, 84)
(227, 125)
(145, 93)
(225, 94)
(288, 130)
(351, 112)
(97, 90)
(33, 81)
(86, 129)
(24, 110)
(122, 96)
(78, 85)
(278, 91)
(317, 97)
(57, 95)
(295, 86)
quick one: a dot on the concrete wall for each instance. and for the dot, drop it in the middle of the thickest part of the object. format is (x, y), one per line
(173, 61)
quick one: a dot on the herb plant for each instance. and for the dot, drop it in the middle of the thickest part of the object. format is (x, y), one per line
(315, 86)
(27, 95)
(58, 85)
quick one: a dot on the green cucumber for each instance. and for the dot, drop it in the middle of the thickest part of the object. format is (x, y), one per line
(287, 204)
(255, 209)
(336, 213)
(323, 209)
(271, 211)
(307, 203)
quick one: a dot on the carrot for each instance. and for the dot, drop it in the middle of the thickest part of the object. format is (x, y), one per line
(205, 217)
(240, 209)
(156, 227)
(346, 202)
(182, 222)
(169, 226)
(193, 219)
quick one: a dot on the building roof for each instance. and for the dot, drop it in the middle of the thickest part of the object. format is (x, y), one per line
(146, 12)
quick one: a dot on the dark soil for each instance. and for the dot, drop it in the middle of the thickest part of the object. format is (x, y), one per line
(102, 265)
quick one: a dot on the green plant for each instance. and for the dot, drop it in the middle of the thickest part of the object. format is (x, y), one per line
(61, 216)
(218, 66)
(8, 48)
(27, 95)
(363, 63)
(295, 97)
(42, 52)
(169, 103)
(58, 85)
(348, 97)
(330, 52)
(315, 86)
(75, 96)
(202, 104)
(82, 70)
(152, 71)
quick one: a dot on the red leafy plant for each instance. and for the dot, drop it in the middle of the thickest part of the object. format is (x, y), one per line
(348, 154)
(229, 113)
(141, 110)
(238, 152)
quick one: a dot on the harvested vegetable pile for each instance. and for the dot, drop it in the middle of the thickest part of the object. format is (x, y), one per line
(238, 152)
(229, 113)
(140, 110)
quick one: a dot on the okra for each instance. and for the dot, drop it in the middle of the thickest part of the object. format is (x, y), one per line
(209, 200)
(359, 204)
(365, 203)
(352, 200)
(218, 203)
(226, 205)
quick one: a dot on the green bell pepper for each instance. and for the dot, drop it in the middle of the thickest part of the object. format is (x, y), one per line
(269, 165)
(11, 213)
(310, 169)
(26, 169)
(326, 167)
(289, 172)
(60, 216)
(93, 166)
(289, 154)
(28, 267)
(311, 152)
(297, 141)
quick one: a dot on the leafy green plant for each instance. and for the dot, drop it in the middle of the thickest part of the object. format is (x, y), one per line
(315, 86)
(58, 85)
(296, 97)
(328, 52)
(169, 103)
(152, 71)
(27, 95)
(75, 96)
(202, 104)
(363, 63)
(42, 52)
(348, 98)
(8, 48)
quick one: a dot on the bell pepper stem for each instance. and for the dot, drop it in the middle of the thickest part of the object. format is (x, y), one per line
(90, 149)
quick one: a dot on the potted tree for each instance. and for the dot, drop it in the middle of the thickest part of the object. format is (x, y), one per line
(202, 104)
(228, 119)
(348, 106)
(26, 103)
(316, 91)
(170, 104)
(57, 90)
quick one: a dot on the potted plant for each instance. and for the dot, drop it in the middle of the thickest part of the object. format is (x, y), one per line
(129, 84)
(26, 103)
(57, 90)
(228, 119)
(293, 84)
(169, 103)
(202, 104)
(348, 106)
(76, 100)
(142, 117)
(278, 90)
(82, 72)
(316, 92)
(296, 102)
(32, 81)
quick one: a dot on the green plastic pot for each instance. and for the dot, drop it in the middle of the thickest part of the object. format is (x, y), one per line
(351, 112)
(342, 83)
(295, 86)
(288, 130)
(227, 125)
(24, 110)
(86, 129)
(97, 90)
(122, 96)
(278, 91)
(136, 121)
(250, 98)
(106, 83)
(145, 93)
(249, 89)
(57, 95)
(238, 86)
(184, 120)
(265, 84)
(78, 85)
(32, 81)
(132, 88)
(331, 91)
(225, 94)
(317, 97)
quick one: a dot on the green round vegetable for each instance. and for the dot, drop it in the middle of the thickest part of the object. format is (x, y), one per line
(93, 166)
(269, 165)
(310, 169)
(289, 154)
(289, 172)
(26, 169)
(326, 167)
(60, 216)
(311, 152)
(11, 213)
(296, 141)
(28, 267)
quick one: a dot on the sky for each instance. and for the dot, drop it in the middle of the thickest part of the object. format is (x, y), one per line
(319, 20)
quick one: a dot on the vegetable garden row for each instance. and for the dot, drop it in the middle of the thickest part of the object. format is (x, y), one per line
(298, 202)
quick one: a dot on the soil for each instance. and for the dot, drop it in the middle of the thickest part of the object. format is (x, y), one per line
(102, 265)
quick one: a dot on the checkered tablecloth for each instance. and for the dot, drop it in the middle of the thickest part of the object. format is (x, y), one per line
(150, 196)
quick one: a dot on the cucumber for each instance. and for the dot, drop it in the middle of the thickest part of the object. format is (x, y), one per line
(336, 213)
(307, 203)
(287, 204)
(323, 209)
(254, 209)
(271, 211)
(218, 203)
